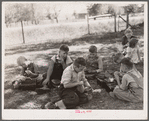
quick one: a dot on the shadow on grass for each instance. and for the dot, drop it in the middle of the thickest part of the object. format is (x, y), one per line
(17, 99)
(104, 38)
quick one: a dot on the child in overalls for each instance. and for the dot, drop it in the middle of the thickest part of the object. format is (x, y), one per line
(57, 65)
(94, 62)
(131, 87)
(74, 88)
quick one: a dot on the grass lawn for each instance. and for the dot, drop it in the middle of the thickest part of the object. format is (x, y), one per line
(17, 99)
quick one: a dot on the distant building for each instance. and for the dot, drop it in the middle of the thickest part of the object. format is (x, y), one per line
(81, 14)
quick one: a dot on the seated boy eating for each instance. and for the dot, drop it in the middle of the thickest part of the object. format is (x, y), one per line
(29, 74)
(57, 65)
(94, 62)
(73, 88)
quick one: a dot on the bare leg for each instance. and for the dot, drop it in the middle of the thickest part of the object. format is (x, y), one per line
(80, 88)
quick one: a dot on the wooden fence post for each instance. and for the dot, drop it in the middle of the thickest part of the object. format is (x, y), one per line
(127, 20)
(118, 24)
(88, 23)
(115, 22)
(22, 32)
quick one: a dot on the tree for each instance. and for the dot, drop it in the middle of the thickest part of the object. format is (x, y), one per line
(37, 12)
(53, 11)
(56, 12)
(94, 9)
(131, 8)
(111, 10)
(140, 8)
(8, 15)
(74, 14)
(49, 16)
(115, 10)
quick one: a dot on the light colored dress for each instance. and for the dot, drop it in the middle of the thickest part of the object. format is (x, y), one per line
(131, 88)
(133, 54)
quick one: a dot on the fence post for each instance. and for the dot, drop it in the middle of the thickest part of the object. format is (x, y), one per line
(115, 22)
(127, 20)
(22, 32)
(88, 23)
(118, 24)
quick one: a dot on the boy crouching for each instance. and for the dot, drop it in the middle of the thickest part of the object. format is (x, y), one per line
(74, 88)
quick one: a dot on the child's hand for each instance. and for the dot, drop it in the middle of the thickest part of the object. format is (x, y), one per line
(28, 72)
(45, 82)
(87, 89)
(16, 84)
(92, 71)
(40, 77)
(81, 82)
(121, 73)
(116, 87)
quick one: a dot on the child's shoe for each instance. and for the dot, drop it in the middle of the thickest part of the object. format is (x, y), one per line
(112, 94)
(50, 105)
(16, 84)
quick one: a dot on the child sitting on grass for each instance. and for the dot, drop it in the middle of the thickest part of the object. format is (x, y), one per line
(131, 87)
(94, 62)
(29, 74)
(133, 51)
(74, 88)
(126, 39)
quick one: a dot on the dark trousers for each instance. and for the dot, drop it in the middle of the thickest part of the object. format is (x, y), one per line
(71, 97)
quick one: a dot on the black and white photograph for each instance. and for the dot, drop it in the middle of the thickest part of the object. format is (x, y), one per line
(74, 60)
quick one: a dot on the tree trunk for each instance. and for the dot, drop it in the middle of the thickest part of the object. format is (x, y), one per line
(56, 19)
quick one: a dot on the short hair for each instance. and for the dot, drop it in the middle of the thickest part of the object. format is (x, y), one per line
(21, 60)
(93, 49)
(133, 42)
(127, 62)
(64, 48)
(80, 61)
(128, 31)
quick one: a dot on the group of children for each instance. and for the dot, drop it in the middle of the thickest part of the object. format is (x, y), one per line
(70, 76)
